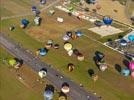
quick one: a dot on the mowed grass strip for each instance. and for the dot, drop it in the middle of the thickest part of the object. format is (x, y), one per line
(108, 84)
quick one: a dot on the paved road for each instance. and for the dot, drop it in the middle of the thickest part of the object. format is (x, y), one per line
(76, 92)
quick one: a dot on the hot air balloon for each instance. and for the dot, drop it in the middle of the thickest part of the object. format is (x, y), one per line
(42, 73)
(80, 57)
(123, 42)
(131, 65)
(12, 62)
(131, 38)
(71, 67)
(78, 33)
(24, 23)
(48, 94)
(70, 52)
(16, 63)
(56, 46)
(65, 88)
(74, 36)
(37, 20)
(103, 66)
(66, 37)
(99, 55)
(43, 51)
(50, 42)
(34, 8)
(68, 46)
(69, 33)
(125, 72)
(107, 20)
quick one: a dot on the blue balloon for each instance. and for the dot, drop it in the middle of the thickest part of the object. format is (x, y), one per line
(123, 42)
(34, 8)
(24, 22)
(48, 94)
(125, 72)
(107, 20)
(43, 51)
(131, 38)
(78, 33)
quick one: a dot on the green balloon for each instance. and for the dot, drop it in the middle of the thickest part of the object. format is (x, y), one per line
(12, 62)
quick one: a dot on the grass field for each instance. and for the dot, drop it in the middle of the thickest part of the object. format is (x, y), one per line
(11, 87)
(111, 85)
(15, 7)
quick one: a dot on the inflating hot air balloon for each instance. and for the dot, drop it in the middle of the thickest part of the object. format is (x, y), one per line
(131, 65)
(48, 95)
(24, 23)
(69, 33)
(131, 38)
(65, 88)
(42, 73)
(66, 37)
(56, 46)
(71, 67)
(78, 33)
(12, 62)
(80, 57)
(37, 20)
(70, 52)
(68, 46)
(43, 51)
(34, 8)
(123, 42)
(125, 72)
(107, 20)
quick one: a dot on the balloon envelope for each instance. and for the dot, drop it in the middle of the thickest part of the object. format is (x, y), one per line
(42, 73)
(131, 38)
(34, 8)
(68, 46)
(65, 89)
(131, 65)
(24, 22)
(48, 94)
(123, 42)
(78, 33)
(66, 37)
(43, 51)
(12, 62)
(125, 72)
(107, 20)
